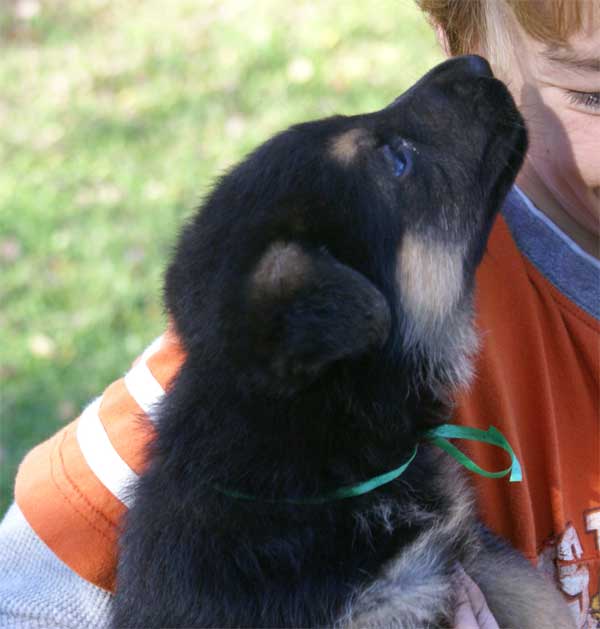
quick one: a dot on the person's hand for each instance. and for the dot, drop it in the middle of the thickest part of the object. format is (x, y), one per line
(471, 610)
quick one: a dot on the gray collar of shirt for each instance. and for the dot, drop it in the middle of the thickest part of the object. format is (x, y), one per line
(565, 264)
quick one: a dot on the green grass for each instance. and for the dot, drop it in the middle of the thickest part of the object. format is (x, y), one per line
(115, 118)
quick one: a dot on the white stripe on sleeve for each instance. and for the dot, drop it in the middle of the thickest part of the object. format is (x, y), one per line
(143, 387)
(100, 454)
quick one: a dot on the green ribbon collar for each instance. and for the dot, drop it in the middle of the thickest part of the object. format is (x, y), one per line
(437, 436)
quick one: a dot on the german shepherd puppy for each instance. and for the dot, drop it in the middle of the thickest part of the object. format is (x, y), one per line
(323, 296)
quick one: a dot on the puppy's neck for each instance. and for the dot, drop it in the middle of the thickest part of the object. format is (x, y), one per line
(341, 431)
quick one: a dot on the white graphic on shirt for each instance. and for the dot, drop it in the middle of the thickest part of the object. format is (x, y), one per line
(592, 524)
(573, 579)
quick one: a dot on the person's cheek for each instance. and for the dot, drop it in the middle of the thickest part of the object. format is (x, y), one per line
(551, 152)
(584, 135)
(562, 154)
(549, 144)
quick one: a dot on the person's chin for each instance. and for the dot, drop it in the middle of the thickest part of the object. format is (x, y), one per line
(594, 197)
(594, 211)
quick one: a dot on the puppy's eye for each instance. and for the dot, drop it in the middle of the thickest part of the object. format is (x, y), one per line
(399, 159)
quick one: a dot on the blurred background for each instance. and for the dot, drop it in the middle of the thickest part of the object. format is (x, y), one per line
(115, 116)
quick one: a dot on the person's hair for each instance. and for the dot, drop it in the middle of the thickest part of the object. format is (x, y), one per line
(489, 25)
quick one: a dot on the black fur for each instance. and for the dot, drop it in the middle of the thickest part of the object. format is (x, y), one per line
(298, 380)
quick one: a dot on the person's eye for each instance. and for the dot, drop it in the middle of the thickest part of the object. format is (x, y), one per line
(590, 100)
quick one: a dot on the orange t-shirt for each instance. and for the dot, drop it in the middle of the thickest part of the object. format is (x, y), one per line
(538, 382)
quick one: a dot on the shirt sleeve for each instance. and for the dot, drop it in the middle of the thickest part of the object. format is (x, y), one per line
(37, 589)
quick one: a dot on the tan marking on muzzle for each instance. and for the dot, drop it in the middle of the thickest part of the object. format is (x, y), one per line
(430, 278)
(345, 147)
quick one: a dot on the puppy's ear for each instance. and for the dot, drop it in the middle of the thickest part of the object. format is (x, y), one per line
(308, 310)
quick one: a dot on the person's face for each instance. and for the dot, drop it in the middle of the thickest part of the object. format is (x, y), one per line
(558, 92)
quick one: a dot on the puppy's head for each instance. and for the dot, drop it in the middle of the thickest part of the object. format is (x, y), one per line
(354, 240)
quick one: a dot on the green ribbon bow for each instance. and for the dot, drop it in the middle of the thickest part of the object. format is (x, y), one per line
(437, 436)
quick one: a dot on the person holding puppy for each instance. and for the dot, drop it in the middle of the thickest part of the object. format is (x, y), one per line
(538, 304)
(537, 378)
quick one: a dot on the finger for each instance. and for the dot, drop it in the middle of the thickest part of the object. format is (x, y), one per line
(478, 605)
(464, 616)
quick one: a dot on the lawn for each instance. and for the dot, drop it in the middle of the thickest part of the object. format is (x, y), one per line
(115, 118)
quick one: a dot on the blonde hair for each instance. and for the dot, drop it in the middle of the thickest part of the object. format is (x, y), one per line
(491, 26)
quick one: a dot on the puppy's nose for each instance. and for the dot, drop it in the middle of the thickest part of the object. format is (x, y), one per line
(478, 65)
(456, 72)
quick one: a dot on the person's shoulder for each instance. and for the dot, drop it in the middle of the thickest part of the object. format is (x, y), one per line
(74, 488)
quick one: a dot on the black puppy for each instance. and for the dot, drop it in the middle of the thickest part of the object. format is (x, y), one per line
(323, 295)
